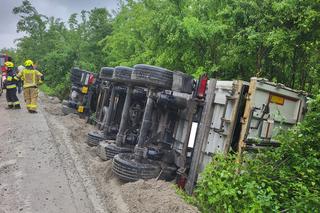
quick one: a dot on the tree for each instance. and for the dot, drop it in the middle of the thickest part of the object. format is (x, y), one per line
(56, 48)
(230, 39)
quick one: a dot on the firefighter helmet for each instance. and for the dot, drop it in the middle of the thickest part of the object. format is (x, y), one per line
(9, 64)
(28, 63)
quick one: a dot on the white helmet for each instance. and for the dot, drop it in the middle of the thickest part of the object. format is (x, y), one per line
(20, 68)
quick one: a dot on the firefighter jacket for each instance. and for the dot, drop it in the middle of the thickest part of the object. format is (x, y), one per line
(11, 80)
(31, 78)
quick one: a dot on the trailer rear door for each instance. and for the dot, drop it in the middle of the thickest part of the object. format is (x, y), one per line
(269, 108)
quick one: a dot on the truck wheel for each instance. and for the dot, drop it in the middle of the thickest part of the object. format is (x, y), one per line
(112, 149)
(122, 74)
(94, 138)
(127, 168)
(106, 73)
(108, 149)
(147, 75)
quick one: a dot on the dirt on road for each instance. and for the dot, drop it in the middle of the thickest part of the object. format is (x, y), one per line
(33, 174)
(85, 180)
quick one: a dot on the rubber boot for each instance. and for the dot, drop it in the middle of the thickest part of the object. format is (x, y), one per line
(17, 106)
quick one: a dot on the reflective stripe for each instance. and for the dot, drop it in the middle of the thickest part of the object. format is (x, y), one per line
(10, 78)
(11, 86)
(31, 106)
(16, 103)
(10, 103)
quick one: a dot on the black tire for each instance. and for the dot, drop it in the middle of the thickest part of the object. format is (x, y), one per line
(112, 150)
(107, 149)
(122, 74)
(94, 138)
(127, 168)
(152, 76)
(106, 73)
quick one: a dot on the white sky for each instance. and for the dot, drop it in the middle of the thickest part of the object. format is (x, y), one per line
(57, 8)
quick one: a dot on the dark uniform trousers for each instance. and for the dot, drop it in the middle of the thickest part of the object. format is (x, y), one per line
(12, 98)
(11, 95)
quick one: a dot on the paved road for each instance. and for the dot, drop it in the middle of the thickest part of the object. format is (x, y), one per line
(33, 177)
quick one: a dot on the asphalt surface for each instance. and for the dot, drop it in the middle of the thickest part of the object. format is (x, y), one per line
(33, 176)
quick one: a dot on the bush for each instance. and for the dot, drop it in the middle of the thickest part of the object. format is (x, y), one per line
(285, 179)
(61, 90)
(47, 90)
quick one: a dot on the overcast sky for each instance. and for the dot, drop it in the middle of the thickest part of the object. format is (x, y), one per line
(57, 8)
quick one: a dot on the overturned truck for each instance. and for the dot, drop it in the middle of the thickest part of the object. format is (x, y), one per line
(155, 123)
(83, 94)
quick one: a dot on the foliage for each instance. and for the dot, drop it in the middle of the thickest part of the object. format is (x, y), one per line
(279, 40)
(285, 179)
(56, 47)
(49, 91)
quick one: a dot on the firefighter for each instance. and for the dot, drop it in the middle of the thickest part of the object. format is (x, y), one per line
(19, 85)
(31, 79)
(11, 86)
